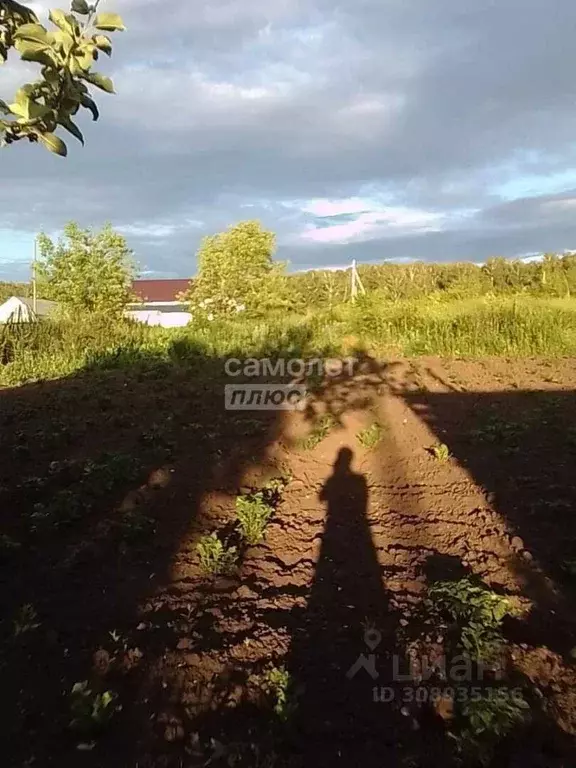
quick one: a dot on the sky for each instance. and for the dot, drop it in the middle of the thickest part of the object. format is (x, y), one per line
(354, 129)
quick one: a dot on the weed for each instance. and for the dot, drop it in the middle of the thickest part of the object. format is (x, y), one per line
(278, 684)
(216, 557)
(8, 544)
(319, 431)
(90, 710)
(93, 480)
(477, 612)
(272, 490)
(370, 437)
(134, 526)
(440, 452)
(571, 437)
(495, 430)
(569, 567)
(253, 513)
(26, 620)
(487, 720)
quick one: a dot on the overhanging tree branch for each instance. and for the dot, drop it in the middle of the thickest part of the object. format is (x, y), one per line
(66, 55)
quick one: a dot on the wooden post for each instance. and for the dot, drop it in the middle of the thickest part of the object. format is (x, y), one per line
(34, 291)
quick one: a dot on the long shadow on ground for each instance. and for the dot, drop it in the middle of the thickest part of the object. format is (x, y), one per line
(102, 475)
(520, 447)
(102, 480)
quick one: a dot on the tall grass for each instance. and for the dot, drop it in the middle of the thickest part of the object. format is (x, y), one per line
(519, 326)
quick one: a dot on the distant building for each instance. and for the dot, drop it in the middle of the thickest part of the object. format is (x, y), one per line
(160, 303)
(20, 310)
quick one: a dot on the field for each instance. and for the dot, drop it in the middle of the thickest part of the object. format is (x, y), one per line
(417, 516)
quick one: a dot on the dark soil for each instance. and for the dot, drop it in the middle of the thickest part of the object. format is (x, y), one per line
(109, 478)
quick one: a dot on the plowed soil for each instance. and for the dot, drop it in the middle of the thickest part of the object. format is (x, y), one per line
(108, 479)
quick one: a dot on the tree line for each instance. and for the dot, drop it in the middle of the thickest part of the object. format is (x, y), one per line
(92, 271)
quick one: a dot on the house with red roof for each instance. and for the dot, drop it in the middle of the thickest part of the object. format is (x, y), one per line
(159, 302)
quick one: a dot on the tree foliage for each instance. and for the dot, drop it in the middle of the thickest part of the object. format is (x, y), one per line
(65, 54)
(8, 289)
(553, 275)
(236, 272)
(87, 271)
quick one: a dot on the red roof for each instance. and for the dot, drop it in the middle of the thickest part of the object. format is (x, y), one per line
(160, 290)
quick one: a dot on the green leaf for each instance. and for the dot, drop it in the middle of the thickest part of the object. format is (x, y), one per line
(87, 102)
(65, 21)
(4, 108)
(81, 7)
(107, 698)
(73, 129)
(53, 143)
(100, 81)
(34, 32)
(103, 43)
(30, 50)
(65, 40)
(36, 110)
(20, 110)
(82, 61)
(109, 22)
(25, 107)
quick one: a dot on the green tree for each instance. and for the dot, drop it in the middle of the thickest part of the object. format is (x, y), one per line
(236, 272)
(87, 271)
(8, 289)
(66, 55)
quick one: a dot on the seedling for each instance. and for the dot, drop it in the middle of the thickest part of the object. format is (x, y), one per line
(278, 684)
(8, 544)
(318, 433)
(477, 612)
(569, 566)
(440, 452)
(90, 710)
(134, 525)
(488, 720)
(504, 433)
(215, 557)
(253, 514)
(26, 620)
(370, 437)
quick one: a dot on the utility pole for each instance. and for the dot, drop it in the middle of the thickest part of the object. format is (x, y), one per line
(34, 291)
(355, 282)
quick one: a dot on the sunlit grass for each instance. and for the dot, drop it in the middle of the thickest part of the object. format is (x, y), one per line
(512, 327)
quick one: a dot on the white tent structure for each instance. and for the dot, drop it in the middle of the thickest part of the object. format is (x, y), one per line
(20, 310)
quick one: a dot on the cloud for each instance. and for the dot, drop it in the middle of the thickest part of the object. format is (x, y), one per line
(358, 221)
(421, 123)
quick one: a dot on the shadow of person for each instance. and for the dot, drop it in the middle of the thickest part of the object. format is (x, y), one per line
(342, 648)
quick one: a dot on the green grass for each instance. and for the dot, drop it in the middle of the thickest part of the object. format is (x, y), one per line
(318, 433)
(371, 436)
(516, 326)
